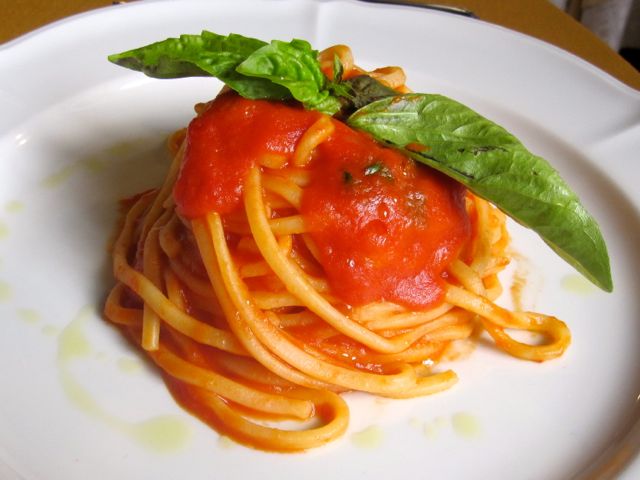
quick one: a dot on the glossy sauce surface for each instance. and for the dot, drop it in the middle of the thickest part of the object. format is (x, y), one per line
(386, 228)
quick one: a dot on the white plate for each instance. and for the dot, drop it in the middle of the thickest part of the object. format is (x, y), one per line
(77, 133)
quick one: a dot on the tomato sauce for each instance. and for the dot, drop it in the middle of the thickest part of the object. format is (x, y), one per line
(386, 228)
(224, 142)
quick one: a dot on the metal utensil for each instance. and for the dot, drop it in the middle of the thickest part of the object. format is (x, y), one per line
(417, 3)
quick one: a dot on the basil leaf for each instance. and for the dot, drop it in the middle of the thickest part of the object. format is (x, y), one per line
(293, 65)
(365, 89)
(337, 87)
(207, 54)
(255, 69)
(483, 156)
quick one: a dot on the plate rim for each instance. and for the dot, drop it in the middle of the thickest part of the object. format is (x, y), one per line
(576, 60)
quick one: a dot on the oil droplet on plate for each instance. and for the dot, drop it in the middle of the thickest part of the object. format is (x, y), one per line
(5, 292)
(430, 430)
(95, 164)
(575, 283)
(102, 356)
(50, 330)
(14, 206)
(129, 365)
(91, 164)
(4, 230)
(81, 397)
(28, 315)
(58, 178)
(370, 437)
(163, 434)
(433, 428)
(415, 422)
(466, 425)
(121, 149)
(73, 342)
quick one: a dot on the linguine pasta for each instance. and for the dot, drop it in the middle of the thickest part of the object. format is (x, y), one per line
(241, 309)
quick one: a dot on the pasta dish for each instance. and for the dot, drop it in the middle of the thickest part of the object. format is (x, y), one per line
(288, 258)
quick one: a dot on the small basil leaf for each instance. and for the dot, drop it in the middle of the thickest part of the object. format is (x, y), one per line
(483, 156)
(337, 87)
(207, 54)
(293, 65)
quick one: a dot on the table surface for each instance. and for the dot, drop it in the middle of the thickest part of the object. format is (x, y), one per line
(537, 18)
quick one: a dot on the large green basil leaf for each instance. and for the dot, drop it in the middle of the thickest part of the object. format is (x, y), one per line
(254, 69)
(483, 156)
(207, 54)
(293, 65)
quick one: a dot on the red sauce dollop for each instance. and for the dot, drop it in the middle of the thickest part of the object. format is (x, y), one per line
(224, 142)
(386, 228)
